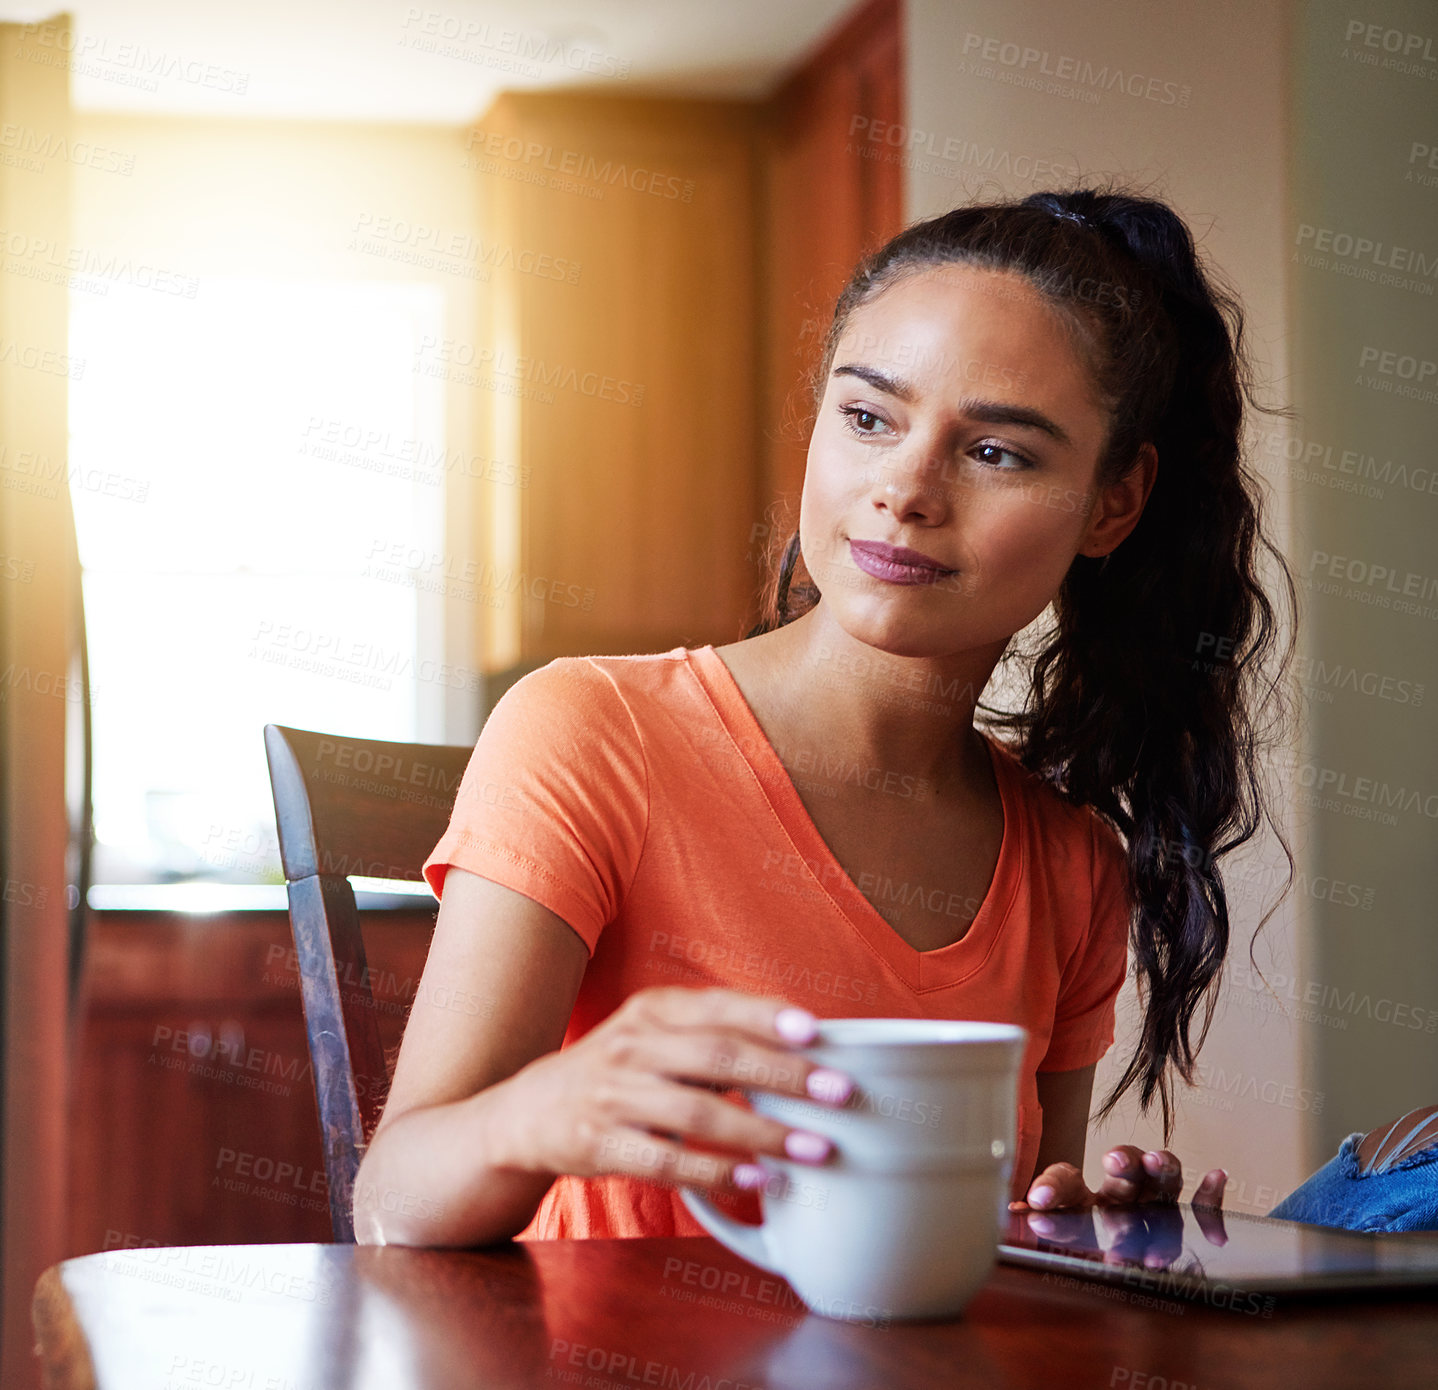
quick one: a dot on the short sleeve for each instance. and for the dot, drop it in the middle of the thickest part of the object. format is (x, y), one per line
(1084, 1016)
(554, 800)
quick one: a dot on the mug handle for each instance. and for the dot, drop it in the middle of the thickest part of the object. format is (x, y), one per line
(743, 1239)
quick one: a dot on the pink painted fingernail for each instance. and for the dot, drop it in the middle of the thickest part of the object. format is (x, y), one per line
(795, 1025)
(1041, 1197)
(804, 1147)
(749, 1176)
(829, 1085)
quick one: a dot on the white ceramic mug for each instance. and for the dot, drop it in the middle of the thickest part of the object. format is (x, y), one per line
(903, 1219)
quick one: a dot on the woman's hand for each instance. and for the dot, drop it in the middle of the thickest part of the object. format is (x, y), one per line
(639, 1094)
(1132, 1178)
(1135, 1206)
(486, 1106)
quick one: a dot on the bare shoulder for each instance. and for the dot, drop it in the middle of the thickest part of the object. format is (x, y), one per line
(1401, 1138)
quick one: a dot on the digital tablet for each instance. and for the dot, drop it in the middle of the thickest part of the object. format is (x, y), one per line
(1220, 1258)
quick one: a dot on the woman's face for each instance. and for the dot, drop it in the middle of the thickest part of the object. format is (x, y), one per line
(951, 473)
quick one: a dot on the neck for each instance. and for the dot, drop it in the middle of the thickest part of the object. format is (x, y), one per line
(913, 715)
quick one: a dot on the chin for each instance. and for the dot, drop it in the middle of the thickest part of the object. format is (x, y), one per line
(897, 630)
(896, 637)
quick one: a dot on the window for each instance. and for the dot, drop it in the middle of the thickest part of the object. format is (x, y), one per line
(246, 468)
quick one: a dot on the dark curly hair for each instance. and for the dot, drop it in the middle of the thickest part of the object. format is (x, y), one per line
(1128, 708)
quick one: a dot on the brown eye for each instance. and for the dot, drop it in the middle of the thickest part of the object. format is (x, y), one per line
(861, 421)
(994, 455)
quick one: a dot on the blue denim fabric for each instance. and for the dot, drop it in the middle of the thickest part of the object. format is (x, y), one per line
(1403, 1197)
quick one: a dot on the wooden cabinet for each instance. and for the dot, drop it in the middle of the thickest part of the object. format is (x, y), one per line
(617, 363)
(193, 1112)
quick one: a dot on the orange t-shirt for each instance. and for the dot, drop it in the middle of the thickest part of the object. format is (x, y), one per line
(637, 798)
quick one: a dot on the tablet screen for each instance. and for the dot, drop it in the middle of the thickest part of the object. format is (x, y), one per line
(1182, 1252)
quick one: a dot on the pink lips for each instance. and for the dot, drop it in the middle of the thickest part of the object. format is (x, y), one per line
(895, 564)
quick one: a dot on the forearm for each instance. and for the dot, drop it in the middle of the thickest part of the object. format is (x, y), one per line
(445, 1175)
(1064, 1099)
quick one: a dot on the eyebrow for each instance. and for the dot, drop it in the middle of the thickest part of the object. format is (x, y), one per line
(984, 411)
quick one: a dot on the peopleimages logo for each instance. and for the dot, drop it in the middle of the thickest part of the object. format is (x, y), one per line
(1239, 1085)
(1426, 157)
(40, 258)
(1369, 791)
(1037, 62)
(91, 54)
(525, 51)
(1362, 248)
(1316, 675)
(1398, 374)
(1309, 995)
(600, 1366)
(1392, 50)
(1380, 586)
(1365, 258)
(1339, 469)
(926, 151)
(543, 159)
(48, 145)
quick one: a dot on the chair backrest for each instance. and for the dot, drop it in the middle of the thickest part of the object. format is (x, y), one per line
(372, 809)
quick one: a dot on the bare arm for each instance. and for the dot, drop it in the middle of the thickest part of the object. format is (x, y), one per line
(484, 1112)
(497, 991)
(1065, 1097)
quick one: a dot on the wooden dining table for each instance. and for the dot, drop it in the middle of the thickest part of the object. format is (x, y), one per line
(675, 1314)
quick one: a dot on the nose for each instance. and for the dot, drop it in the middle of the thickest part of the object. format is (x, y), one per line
(913, 487)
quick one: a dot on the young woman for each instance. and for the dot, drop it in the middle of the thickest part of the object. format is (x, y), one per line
(661, 869)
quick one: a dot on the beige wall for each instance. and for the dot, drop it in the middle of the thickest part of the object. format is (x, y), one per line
(1200, 120)
(1365, 336)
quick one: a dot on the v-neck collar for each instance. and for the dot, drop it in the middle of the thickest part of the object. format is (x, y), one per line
(920, 970)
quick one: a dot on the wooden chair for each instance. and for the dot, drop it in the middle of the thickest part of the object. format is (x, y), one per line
(372, 809)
